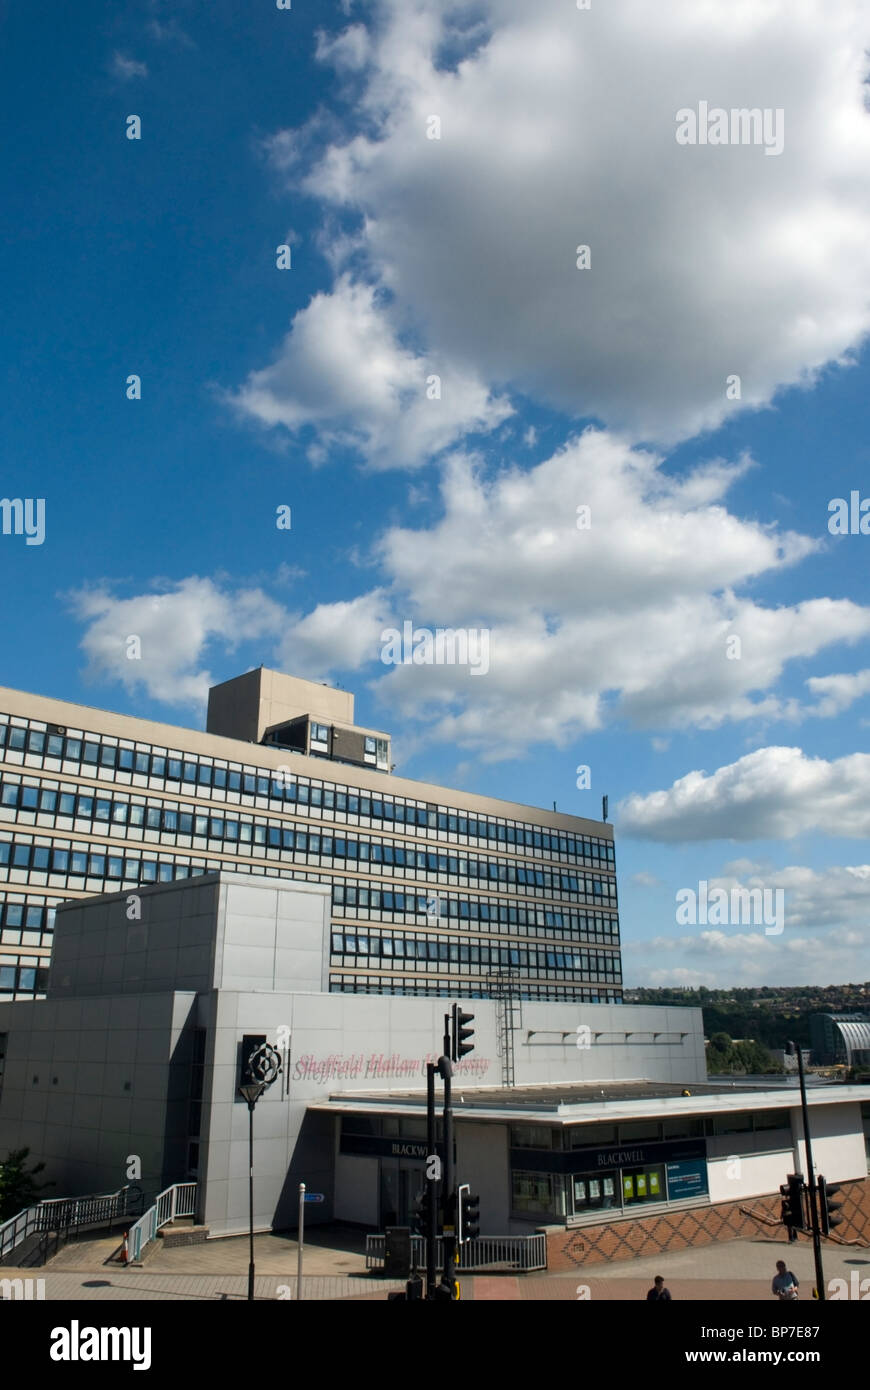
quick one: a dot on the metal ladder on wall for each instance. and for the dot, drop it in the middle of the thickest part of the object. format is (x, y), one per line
(508, 1018)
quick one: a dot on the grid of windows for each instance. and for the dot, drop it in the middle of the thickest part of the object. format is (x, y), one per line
(52, 855)
(127, 839)
(93, 753)
(545, 1137)
(396, 984)
(25, 975)
(27, 921)
(468, 956)
(63, 805)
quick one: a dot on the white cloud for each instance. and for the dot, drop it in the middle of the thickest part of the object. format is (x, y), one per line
(718, 960)
(630, 618)
(174, 629)
(825, 936)
(348, 51)
(334, 636)
(633, 613)
(626, 620)
(344, 369)
(643, 879)
(837, 693)
(814, 898)
(773, 793)
(127, 68)
(170, 32)
(825, 940)
(558, 128)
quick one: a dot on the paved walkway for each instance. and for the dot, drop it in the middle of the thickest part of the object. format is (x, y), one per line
(334, 1269)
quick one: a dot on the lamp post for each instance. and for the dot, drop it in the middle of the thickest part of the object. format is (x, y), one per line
(263, 1067)
(793, 1049)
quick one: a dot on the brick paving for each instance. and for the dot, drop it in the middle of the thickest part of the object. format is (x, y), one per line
(736, 1270)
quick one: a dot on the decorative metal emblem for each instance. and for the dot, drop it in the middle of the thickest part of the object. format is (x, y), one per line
(264, 1064)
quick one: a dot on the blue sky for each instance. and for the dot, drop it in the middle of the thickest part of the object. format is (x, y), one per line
(454, 257)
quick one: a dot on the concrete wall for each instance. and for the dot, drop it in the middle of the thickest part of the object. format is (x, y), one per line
(99, 949)
(89, 1082)
(194, 934)
(273, 935)
(743, 1165)
(546, 1044)
(766, 1158)
(837, 1138)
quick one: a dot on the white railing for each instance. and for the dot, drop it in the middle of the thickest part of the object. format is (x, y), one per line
(178, 1200)
(63, 1213)
(17, 1229)
(511, 1252)
(486, 1252)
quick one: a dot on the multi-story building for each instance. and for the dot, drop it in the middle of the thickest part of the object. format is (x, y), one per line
(433, 891)
(606, 1134)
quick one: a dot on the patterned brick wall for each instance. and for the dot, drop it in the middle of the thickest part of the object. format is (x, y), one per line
(676, 1230)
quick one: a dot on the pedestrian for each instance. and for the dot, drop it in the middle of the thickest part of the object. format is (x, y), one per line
(785, 1284)
(658, 1293)
(783, 1216)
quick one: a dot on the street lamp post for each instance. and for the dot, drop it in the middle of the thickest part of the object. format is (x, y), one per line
(263, 1067)
(793, 1049)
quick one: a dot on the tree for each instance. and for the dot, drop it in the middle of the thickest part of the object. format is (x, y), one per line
(17, 1186)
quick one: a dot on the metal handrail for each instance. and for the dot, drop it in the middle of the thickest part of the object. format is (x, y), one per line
(177, 1200)
(62, 1213)
(486, 1252)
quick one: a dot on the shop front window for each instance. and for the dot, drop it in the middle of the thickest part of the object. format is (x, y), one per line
(595, 1191)
(538, 1194)
(645, 1184)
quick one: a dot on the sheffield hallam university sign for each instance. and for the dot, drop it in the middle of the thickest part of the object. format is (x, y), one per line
(379, 1066)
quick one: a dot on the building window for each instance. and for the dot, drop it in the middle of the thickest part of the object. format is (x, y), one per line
(729, 1124)
(683, 1128)
(535, 1137)
(595, 1191)
(641, 1129)
(771, 1119)
(592, 1136)
(645, 1184)
(537, 1194)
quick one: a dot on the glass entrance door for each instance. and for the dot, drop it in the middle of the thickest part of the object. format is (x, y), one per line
(401, 1183)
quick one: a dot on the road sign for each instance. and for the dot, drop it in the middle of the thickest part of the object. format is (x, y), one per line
(314, 1197)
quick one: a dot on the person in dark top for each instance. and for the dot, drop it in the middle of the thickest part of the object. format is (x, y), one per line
(785, 1284)
(658, 1293)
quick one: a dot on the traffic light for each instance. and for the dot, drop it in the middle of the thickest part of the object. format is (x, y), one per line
(793, 1202)
(423, 1207)
(460, 1033)
(827, 1207)
(468, 1215)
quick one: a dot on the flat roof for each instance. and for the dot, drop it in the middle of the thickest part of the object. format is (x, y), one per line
(587, 1102)
(50, 709)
